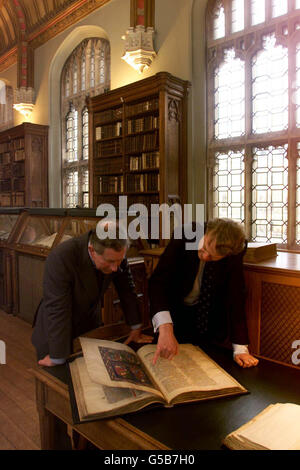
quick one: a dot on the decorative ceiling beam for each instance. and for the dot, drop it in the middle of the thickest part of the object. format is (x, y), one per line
(50, 28)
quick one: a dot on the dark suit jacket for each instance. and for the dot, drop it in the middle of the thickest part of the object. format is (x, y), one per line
(173, 279)
(72, 293)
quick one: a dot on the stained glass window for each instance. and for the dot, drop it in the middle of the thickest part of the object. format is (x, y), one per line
(86, 72)
(85, 134)
(71, 188)
(237, 15)
(228, 185)
(253, 106)
(230, 97)
(270, 87)
(258, 8)
(279, 7)
(219, 21)
(270, 194)
(298, 197)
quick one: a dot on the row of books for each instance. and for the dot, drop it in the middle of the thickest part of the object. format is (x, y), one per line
(148, 105)
(16, 199)
(106, 132)
(12, 145)
(12, 184)
(111, 184)
(108, 115)
(144, 161)
(147, 200)
(143, 182)
(9, 170)
(19, 155)
(109, 148)
(5, 158)
(142, 142)
(108, 165)
(146, 123)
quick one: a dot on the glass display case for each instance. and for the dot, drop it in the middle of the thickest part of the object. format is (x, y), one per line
(78, 222)
(9, 221)
(35, 237)
(40, 230)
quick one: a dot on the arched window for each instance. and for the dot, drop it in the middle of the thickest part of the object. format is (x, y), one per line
(85, 73)
(6, 106)
(253, 75)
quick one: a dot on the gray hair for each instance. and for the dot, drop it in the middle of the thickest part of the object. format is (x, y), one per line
(229, 236)
(108, 234)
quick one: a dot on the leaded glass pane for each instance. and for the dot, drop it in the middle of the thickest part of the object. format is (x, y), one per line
(75, 78)
(257, 11)
(72, 136)
(92, 69)
(83, 72)
(102, 66)
(85, 134)
(237, 15)
(270, 194)
(230, 97)
(270, 88)
(219, 21)
(67, 87)
(279, 7)
(71, 188)
(228, 185)
(85, 188)
(296, 96)
(298, 198)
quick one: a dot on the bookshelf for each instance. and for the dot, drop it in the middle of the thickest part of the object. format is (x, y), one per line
(24, 166)
(138, 142)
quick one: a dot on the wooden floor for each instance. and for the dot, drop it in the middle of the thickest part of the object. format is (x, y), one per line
(19, 424)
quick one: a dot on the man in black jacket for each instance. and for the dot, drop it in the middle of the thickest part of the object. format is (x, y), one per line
(77, 273)
(200, 295)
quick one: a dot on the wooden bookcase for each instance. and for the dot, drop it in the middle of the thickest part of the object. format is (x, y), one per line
(24, 166)
(138, 142)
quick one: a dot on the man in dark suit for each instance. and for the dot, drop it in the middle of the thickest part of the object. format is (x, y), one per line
(77, 273)
(199, 295)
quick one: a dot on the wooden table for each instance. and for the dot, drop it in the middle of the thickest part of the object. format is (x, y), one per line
(201, 425)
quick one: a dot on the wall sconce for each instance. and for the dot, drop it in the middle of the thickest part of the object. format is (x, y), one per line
(139, 52)
(24, 101)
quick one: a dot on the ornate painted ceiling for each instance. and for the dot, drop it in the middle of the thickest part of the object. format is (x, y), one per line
(37, 21)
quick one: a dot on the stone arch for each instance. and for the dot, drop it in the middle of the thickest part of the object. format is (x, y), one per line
(65, 49)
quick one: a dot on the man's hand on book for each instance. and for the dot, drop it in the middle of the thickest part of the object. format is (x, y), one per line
(136, 336)
(245, 360)
(167, 345)
(46, 362)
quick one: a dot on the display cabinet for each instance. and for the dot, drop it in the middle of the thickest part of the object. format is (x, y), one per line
(138, 143)
(9, 221)
(37, 233)
(24, 166)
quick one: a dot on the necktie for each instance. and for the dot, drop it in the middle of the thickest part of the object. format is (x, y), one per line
(204, 304)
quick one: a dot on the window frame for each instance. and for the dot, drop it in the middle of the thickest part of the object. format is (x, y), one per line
(77, 101)
(246, 44)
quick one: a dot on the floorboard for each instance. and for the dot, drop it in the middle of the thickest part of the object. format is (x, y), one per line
(19, 422)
